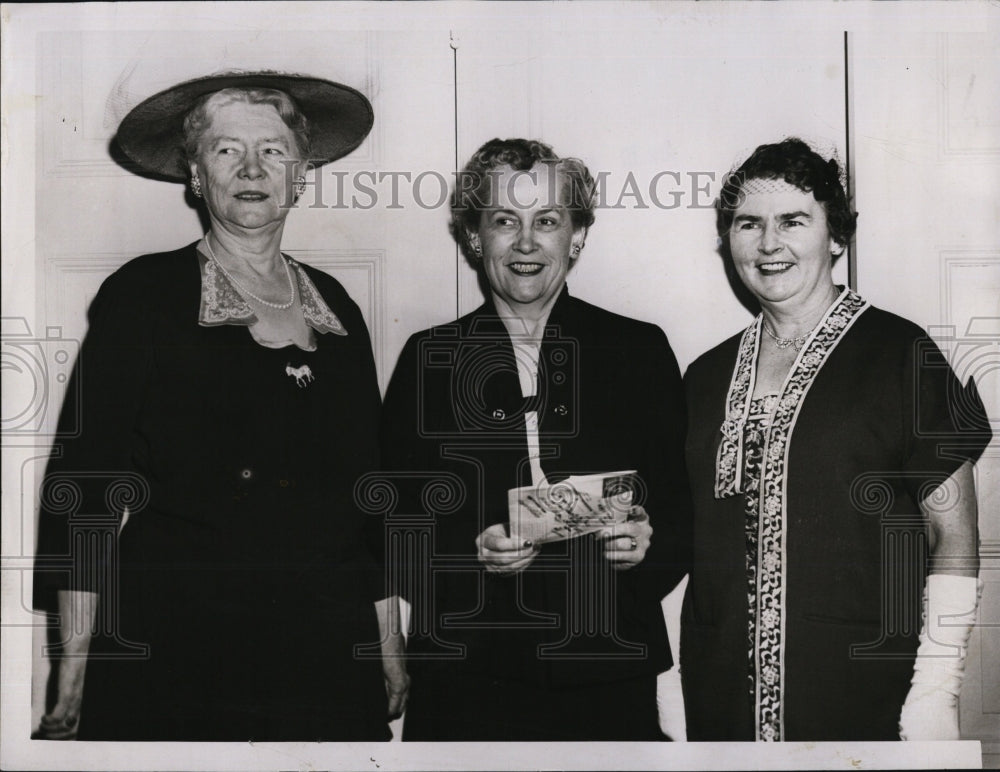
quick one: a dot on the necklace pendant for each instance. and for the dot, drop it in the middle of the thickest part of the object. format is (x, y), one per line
(783, 343)
(302, 374)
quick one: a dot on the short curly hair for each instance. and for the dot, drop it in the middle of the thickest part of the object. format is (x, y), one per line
(474, 183)
(794, 162)
(197, 121)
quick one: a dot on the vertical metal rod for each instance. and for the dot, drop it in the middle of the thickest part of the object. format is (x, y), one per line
(453, 42)
(852, 248)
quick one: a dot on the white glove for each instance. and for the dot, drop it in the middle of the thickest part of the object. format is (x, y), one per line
(670, 705)
(930, 711)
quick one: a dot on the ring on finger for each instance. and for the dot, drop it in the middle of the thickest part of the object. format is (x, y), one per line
(633, 545)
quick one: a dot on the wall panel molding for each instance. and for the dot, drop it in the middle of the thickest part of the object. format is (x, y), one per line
(71, 282)
(962, 267)
(969, 96)
(361, 272)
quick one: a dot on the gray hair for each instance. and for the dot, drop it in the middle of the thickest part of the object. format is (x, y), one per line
(198, 119)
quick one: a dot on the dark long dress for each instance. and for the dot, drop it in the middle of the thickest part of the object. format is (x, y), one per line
(231, 602)
(803, 610)
(568, 649)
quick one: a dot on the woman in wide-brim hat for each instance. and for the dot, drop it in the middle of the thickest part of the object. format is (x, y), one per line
(220, 576)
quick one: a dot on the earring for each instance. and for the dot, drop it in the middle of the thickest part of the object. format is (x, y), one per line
(576, 250)
(196, 185)
(300, 185)
(478, 250)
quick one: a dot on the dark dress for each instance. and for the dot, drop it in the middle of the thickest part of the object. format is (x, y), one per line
(234, 595)
(803, 610)
(568, 649)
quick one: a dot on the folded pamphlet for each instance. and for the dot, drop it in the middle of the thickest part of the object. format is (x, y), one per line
(577, 505)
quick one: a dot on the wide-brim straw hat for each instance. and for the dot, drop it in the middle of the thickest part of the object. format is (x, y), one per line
(152, 134)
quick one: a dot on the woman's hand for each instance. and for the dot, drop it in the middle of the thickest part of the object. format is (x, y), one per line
(625, 544)
(77, 611)
(501, 554)
(62, 722)
(397, 686)
(929, 713)
(397, 682)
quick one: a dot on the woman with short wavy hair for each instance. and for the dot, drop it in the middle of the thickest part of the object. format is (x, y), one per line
(559, 638)
(830, 451)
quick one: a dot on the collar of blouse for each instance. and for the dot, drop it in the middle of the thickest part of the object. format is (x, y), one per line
(221, 303)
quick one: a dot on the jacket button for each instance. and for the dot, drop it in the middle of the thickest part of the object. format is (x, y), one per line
(283, 483)
(560, 410)
(499, 414)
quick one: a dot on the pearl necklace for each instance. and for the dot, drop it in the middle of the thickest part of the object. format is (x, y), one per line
(784, 343)
(248, 293)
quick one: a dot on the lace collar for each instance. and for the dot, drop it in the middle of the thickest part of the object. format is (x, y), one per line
(221, 303)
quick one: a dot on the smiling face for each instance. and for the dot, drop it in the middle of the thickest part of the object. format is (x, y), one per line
(526, 237)
(781, 244)
(243, 162)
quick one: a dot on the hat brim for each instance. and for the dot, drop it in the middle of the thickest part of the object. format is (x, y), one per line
(152, 134)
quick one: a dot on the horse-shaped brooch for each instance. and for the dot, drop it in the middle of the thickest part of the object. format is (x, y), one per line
(303, 375)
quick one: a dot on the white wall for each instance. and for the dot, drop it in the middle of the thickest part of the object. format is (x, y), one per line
(666, 108)
(927, 128)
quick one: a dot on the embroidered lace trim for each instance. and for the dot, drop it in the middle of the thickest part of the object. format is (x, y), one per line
(752, 458)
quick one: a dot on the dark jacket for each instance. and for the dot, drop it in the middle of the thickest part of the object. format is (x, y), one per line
(609, 399)
(242, 579)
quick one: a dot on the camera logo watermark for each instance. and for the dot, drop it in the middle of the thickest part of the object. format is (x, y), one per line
(36, 372)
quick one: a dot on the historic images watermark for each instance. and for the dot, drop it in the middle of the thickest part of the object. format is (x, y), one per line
(430, 189)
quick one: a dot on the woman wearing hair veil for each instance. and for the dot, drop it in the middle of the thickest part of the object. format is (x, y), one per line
(830, 451)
